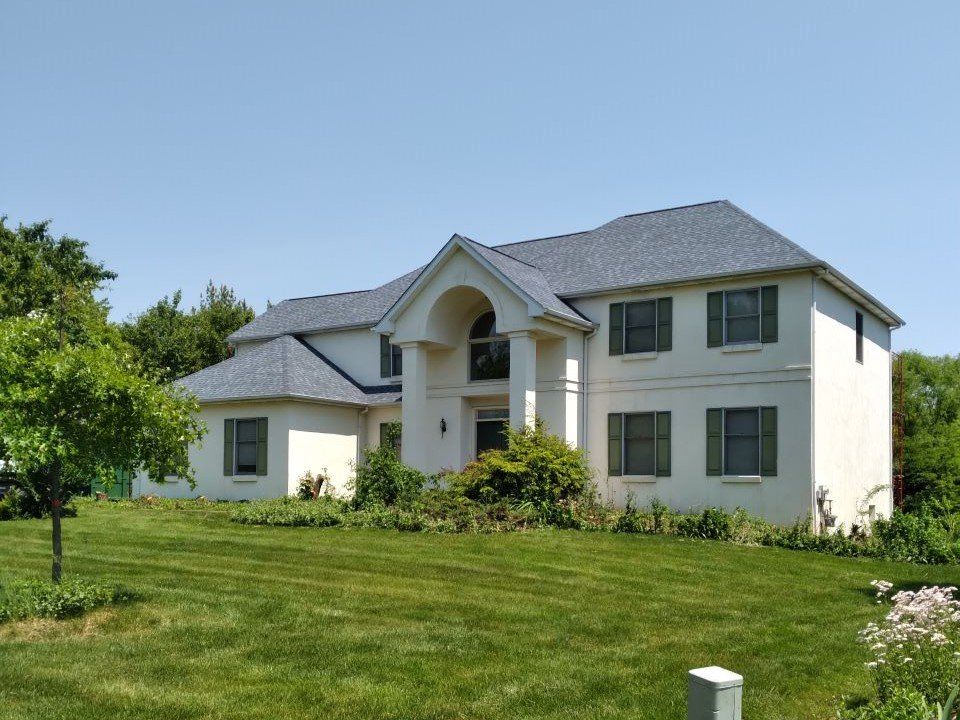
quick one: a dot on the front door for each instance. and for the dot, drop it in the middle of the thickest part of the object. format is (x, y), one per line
(490, 429)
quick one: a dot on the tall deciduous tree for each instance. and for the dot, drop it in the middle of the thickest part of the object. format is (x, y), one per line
(175, 342)
(932, 429)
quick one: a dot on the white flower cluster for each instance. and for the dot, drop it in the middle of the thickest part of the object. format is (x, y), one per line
(918, 622)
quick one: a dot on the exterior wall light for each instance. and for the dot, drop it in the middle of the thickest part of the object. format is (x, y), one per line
(443, 427)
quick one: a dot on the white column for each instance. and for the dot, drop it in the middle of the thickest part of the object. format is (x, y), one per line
(414, 407)
(523, 379)
(572, 388)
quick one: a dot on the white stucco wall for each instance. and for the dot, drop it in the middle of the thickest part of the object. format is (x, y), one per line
(301, 436)
(852, 408)
(691, 378)
(357, 352)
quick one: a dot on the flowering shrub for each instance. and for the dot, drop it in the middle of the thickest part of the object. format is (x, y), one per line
(917, 645)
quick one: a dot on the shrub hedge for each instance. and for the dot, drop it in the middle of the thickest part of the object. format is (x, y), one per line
(33, 598)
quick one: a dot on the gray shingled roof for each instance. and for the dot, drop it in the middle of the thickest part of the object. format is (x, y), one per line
(715, 238)
(696, 241)
(528, 278)
(283, 368)
(299, 316)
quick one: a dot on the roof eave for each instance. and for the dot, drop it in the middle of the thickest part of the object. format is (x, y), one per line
(306, 331)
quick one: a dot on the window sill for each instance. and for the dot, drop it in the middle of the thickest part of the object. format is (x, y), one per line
(742, 347)
(651, 355)
(639, 478)
(742, 479)
(245, 478)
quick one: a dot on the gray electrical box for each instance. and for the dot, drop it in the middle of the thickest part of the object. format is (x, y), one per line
(714, 694)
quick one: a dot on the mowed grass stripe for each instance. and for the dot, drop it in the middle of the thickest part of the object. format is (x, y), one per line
(256, 622)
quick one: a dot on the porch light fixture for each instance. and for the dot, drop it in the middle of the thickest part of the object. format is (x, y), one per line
(443, 427)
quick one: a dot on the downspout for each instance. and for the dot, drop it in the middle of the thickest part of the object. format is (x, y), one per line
(813, 404)
(583, 386)
(361, 432)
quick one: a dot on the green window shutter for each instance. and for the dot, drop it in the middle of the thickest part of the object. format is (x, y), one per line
(384, 356)
(615, 444)
(714, 319)
(228, 446)
(768, 441)
(665, 324)
(616, 329)
(714, 441)
(768, 316)
(663, 444)
(261, 446)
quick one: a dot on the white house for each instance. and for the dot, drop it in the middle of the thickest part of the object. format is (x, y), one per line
(696, 355)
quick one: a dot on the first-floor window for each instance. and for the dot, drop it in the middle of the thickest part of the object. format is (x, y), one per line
(742, 441)
(491, 429)
(638, 443)
(245, 446)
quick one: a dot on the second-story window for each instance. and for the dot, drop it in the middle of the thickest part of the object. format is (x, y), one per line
(642, 326)
(391, 358)
(737, 317)
(489, 351)
(859, 322)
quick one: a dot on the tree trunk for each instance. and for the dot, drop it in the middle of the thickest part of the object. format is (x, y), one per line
(55, 504)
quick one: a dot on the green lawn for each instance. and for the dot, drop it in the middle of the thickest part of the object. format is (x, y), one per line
(253, 622)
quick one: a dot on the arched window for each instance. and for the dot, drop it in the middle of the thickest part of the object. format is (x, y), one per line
(489, 352)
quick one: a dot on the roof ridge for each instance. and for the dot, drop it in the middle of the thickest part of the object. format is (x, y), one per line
(345, 292)
(503, 254)
(547, 237)
(671, 209)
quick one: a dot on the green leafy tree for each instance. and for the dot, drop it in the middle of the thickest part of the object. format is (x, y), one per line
(932, 430)
(74, 401)
(175, 342)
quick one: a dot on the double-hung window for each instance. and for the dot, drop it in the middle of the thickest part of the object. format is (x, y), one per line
(638, 443)
(737, 317)
(742, 442)
(641, 326)
(245, 446)
(391, 358)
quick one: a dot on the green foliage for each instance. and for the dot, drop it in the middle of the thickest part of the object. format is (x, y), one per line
(73, 596)
(23, 503)
(914, 537)
(382, 479)
(535, 467)
(904, 704)
(173, 342)
(287, 511)
(36, 268)
(86, 408)
(932, 430)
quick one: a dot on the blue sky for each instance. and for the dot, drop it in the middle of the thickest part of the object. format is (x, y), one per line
(292, 149)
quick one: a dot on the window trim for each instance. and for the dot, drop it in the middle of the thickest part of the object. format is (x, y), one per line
(236, 446)
(633, 477)
(480, 341)
(759, 315)
(723, 445)
(657, 322)
(505, 412)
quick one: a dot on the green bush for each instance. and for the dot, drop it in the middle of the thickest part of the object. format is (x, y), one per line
(535, 467)
(902, 705)
(325, 511)
(381, 479)
(33, 598)
(914, 537)
(18, 504)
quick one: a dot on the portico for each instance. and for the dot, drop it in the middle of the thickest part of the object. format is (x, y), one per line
(473, 343)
